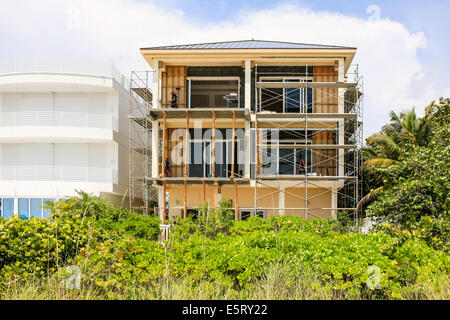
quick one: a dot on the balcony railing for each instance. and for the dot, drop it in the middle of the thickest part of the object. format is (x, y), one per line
(58, 173)
(57, 119)
(63, 66)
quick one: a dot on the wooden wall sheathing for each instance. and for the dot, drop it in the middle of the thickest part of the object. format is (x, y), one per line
(325, 99)
(174, 77)
(323, 160)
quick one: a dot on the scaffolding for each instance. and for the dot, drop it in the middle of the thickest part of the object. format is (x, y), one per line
(345, 120)
(142, 195)
(336, 163)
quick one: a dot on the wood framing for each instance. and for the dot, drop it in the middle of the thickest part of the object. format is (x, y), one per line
(309, 168)
(173, 80)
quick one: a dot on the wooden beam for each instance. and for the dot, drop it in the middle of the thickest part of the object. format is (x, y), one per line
(233, 140)
(258, 152)
(216, 189)
(204, 191)
(236, 206)
(185, 200)
(164, 203)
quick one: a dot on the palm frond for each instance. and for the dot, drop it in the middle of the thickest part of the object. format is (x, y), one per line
(370, 152)
(388, 146)
(376, 163)
(371, 196)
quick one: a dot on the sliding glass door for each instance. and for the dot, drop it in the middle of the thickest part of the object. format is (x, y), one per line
(298, 100)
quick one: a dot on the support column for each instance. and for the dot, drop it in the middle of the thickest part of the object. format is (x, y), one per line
(186, 145)
(213, 153)
(164, 145)
(248, 90)
(258, 151)
(248, 150)
(155, 84)
(281, 201)
(155, 148)
(233, 142)
(163, 211)
(341, 96)
(333, 202)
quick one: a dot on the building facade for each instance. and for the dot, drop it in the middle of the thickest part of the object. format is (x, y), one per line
(273, 127)
(63, 126)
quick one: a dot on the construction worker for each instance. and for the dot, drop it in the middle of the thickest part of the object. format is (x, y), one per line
(173, 101)
(167, 167)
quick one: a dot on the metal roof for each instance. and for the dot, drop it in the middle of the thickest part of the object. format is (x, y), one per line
(246, 44)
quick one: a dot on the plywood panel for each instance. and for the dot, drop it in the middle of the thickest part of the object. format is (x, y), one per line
(325, 100)
(323, 160)
(174, 77)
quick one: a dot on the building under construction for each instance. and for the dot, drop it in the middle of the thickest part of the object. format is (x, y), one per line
(273, 127)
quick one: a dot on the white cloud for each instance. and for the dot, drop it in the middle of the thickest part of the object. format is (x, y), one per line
(114, 30)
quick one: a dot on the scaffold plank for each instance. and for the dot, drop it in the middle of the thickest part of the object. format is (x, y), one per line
(290, 116)
(275, 85)
(309, 146)
(144, 93)
(198, 113)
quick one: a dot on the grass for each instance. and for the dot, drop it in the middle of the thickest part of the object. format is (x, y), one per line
(277, 283)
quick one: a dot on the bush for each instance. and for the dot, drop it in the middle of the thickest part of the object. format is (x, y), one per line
(36, 247)
(244, 254)
(118, 253)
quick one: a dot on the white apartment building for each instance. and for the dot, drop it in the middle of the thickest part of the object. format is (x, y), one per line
(63, 126)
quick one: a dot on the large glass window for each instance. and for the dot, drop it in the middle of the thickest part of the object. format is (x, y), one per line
(47, 213)
(298, 100)
(36, 207)
(286, 160)
(8, 207)
(24, 208)
(213, 93)
(200, 154)
(284, 153)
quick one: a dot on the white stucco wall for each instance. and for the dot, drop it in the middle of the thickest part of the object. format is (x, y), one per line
(63, 126)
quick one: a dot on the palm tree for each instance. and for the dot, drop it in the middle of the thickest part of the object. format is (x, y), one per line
(384, 148)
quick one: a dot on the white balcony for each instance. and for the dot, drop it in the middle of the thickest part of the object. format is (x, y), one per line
(58, 173)
(57, 119)
(30, 72)
(49, 126)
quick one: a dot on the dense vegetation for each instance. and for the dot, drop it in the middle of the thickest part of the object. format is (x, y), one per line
(408, 170)
(281, 257)
(213, 256)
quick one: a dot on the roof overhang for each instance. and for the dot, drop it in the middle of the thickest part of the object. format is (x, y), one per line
(235, 57)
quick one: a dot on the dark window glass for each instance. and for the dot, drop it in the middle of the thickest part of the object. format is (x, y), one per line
(245, 215)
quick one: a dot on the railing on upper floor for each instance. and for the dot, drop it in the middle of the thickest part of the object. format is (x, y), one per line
(63, 66)
(58, 173)
(58, 119)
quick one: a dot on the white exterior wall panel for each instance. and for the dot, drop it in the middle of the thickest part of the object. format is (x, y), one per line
(63, 129)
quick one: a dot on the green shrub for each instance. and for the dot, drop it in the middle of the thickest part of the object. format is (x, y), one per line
(36, 247)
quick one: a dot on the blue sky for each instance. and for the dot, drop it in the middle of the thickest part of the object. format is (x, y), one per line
(430, 17)
(404, 55)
